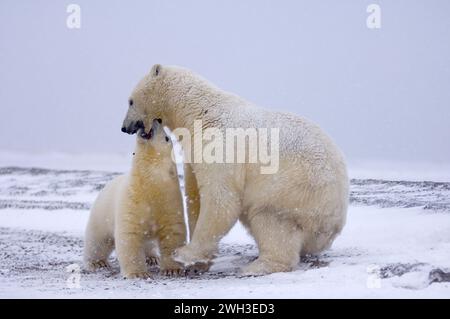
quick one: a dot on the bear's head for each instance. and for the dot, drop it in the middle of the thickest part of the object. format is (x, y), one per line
(144, 99)
(166, 92)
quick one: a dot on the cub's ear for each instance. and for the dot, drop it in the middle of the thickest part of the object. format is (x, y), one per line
(156, 70)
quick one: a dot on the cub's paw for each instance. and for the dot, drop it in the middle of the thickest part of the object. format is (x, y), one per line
(172, 268)
(138, 275)
(152, 260)
(177, 272)
(96, 265)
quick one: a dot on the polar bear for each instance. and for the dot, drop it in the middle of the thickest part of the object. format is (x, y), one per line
(141, 213)
(298, 210)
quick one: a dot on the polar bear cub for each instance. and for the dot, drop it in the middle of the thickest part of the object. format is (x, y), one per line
(141, 214)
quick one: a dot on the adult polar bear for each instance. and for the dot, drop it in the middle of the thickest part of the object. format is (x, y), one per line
(298, 210)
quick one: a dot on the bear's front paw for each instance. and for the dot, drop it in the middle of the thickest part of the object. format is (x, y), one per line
(189, 256)
(138, 275)
(261, 267)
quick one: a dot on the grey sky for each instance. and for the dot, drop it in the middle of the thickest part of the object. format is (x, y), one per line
(381, 94)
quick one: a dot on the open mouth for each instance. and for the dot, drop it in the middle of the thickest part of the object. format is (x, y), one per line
(154, 129)
(145, 136)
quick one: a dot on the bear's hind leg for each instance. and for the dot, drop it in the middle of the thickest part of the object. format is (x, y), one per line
(279, 242)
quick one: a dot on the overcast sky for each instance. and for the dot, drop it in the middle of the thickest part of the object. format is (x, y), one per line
(380, 93)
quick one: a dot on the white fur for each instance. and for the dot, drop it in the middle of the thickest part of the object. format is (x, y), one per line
(141, 214)
(298, 210)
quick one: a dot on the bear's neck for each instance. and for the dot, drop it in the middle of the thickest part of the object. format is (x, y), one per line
(198, 101)
(150, 167)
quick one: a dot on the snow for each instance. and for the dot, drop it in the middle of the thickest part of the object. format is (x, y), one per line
(391, 247)
(64, 220)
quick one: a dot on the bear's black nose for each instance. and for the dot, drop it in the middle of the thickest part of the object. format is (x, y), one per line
(124, 129)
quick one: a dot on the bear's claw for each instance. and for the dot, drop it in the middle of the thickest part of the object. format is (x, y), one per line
(152, 261)
(173, 272)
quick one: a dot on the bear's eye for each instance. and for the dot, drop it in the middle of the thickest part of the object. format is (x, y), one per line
(130, 102)
(167, 139)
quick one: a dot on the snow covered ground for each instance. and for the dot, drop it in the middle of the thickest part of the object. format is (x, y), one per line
(396, 242)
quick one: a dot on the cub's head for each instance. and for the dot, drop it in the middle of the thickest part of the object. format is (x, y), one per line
(155, 140)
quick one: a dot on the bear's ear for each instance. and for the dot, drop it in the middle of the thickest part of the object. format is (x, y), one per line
(156, 70)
